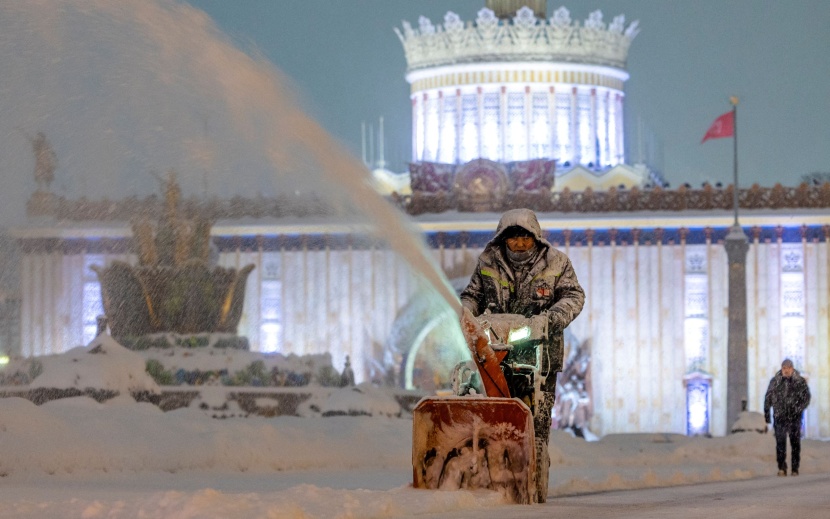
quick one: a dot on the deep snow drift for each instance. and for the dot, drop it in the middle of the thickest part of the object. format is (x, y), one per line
(75, 457)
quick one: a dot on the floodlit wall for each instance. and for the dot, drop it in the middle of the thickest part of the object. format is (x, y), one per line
(301, 301)
(655, 313)
(573, 124)
(339, 301)
(656, 310)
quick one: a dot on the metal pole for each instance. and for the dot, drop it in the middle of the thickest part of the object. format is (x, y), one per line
(734, 101)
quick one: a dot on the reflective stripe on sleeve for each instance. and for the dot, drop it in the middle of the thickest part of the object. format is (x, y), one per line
(502, 282)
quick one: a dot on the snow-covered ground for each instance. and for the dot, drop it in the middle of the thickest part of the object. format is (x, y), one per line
(78, 458)
(75, 457)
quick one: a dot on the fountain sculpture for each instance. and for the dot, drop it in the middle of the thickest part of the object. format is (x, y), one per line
(173, 296)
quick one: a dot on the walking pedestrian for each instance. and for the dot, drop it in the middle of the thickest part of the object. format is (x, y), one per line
(788, 396)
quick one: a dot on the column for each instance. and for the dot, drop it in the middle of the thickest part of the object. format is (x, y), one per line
(528, 123)
(415, 155)
(424, 126)
(552, 119)
(480, 118)
(620, 130)
(607, 154)
(458, 125)
(736, 245)
(575, 144)
(503, 122)
(441, 122)
(594, 141)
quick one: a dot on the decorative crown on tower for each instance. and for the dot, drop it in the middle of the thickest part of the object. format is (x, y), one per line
(525, 38)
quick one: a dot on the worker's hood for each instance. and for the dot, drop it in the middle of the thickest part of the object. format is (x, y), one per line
(524, 218)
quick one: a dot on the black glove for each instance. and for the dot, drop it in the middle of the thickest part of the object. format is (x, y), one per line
(766, 417)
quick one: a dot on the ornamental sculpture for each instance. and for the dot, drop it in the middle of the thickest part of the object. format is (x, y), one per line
(173, 289)
(42, 200)
(479, 185)
(45, 161)
(527, 38)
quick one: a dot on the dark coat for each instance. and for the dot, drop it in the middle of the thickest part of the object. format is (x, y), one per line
(788, 397)
(549, 288)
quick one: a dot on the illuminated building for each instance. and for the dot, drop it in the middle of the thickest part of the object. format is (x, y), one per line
(488, 98)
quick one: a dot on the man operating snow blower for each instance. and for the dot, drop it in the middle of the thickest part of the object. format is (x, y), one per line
(519, 272)
(521, 296)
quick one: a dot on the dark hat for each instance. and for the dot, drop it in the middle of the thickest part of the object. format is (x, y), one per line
(787, 363)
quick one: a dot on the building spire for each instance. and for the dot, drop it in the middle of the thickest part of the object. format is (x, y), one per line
(506, 9)
(381, 146)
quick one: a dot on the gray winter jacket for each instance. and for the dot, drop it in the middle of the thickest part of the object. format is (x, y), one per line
(550, 287)
(788, 398)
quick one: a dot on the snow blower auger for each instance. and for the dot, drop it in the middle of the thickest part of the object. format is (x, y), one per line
(482, 436)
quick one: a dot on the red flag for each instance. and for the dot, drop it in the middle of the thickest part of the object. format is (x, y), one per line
(724, 126)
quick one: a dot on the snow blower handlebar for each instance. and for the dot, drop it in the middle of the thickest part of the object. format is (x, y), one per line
(486, 358)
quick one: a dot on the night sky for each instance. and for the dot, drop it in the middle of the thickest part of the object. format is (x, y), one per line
(126, 89)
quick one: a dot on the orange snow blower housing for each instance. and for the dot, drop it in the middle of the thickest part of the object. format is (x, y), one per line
(483, 436)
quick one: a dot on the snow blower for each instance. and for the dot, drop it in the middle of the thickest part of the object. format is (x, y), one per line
(482, 436)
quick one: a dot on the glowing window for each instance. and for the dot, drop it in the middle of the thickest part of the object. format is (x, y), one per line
(696, 343)
(92, 306)
(490, 133)
(587, 146)
(615, 131)
(602, 130)
(696, 295)
(469, 128)
(793, 331)
(431, 135)
(270, 336)
(446, 151)
(540, 127)
(516, 145)
(417, 115)
(270, 310)
(564, 147)
(697, 407)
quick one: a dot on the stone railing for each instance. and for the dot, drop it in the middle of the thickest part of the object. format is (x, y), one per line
(48, 205)
(707, 198)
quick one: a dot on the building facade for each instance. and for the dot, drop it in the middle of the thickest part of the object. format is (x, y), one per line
(490, 100)
(524, 89)
(655, 317)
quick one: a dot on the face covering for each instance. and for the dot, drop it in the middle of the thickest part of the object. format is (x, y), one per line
(520, 259)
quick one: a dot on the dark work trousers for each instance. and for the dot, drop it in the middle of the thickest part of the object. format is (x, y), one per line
(793, 430)
(542, 420)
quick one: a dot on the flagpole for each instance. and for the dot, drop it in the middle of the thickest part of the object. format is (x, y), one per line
(737, 246)
(734, 101)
